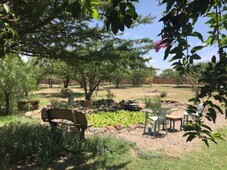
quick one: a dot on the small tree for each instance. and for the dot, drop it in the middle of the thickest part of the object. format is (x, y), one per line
(138, 76)
(167, 73)
(91, 74)
(117, 76)
(16, 79)
(193, 75)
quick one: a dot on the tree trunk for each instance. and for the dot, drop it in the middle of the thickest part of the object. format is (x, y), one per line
(7, 103)
(50, 83)
(66, 82)
(88, 96)
(117, 82)
(81, 84)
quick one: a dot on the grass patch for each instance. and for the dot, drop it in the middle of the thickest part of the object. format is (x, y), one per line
(15, 118)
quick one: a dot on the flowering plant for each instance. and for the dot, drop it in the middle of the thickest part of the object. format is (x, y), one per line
(159, 44)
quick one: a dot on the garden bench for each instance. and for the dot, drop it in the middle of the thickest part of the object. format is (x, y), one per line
(69, 117)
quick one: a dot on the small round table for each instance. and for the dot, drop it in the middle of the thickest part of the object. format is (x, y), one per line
(173, 119)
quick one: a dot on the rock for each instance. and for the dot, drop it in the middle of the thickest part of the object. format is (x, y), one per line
(110, 128)
(132, 127)
(28, 114)
(36, 112)
(96, 130)
(141, 105)
(118, 127)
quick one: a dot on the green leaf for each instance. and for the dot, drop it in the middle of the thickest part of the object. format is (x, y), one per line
(128, 21)
(15, 33)
(169, 5)
(95, 2)
(7, 8)
(167, 52)
(206, 141)
(211, 114)
(185, 61)
(121, 27)
(203, 7)
(176, 50)
(131, 11)
(190, 137)
(208, 41)
(195, 57)
(2, 51)
(207, 127)
(176, 57)
(75, 9)
(116, 3)
(113, 15)
(114, 27)
(213, 59)
(194, 100)
(197, 34)
(95, 13)
(197, 48)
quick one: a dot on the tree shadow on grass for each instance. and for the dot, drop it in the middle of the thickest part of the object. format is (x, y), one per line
(183, 86)
(178, 87)
(75, 164)
(59, 95)
(123, 87)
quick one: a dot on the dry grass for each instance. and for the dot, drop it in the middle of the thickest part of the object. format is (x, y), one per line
(181, 94)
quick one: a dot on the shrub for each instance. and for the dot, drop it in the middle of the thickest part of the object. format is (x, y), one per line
(66, 92)
(163, 94)
(152, 102)
(29, 142)
(102, 149)
(106, 102)
(108, 145)
(109, 95)
(60, 104)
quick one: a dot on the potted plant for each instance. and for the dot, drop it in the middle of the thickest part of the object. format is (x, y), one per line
(28, 104)
(88, 103)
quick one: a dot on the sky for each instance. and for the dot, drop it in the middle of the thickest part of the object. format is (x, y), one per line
(151, 31)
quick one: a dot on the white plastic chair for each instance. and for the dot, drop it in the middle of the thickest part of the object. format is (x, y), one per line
(157, 120)
(195, 115)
